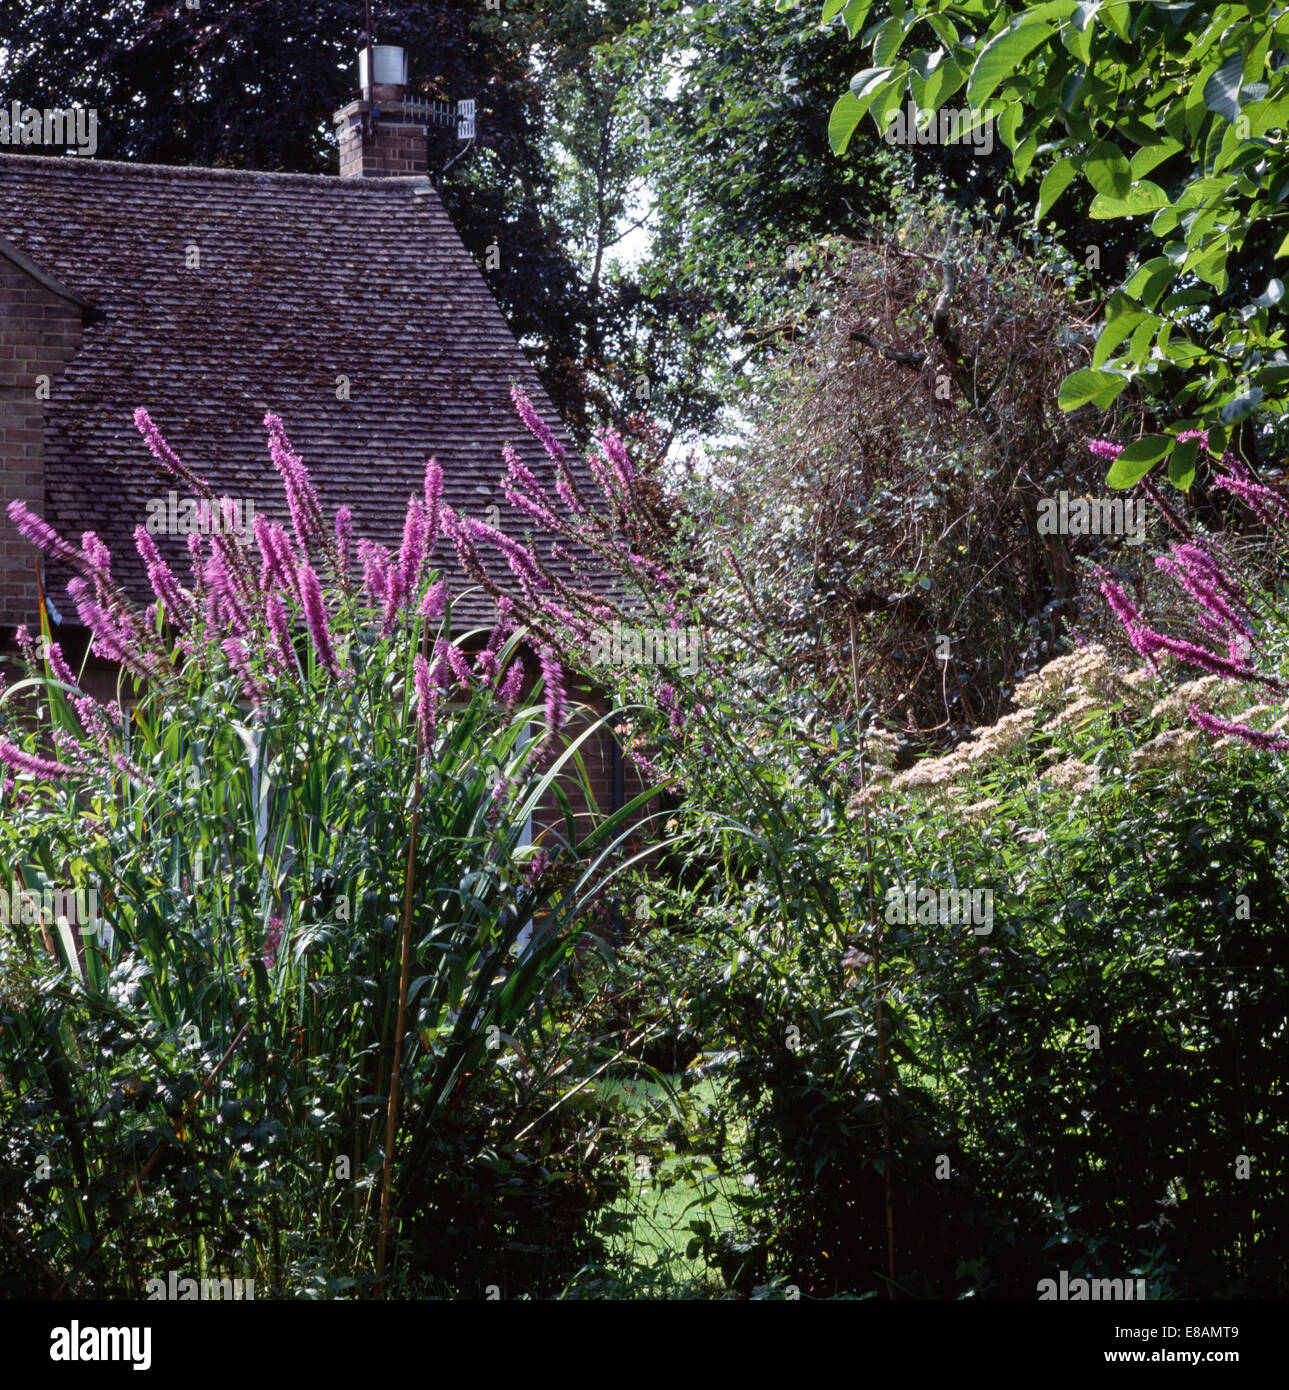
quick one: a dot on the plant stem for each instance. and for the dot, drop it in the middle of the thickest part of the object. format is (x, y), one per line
(391, 1118)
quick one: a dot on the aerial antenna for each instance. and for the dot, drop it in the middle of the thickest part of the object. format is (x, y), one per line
(371, 117)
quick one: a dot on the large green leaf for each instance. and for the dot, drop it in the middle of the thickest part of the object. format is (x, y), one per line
(1108, 171)
(1144, 196)
(1057, 179)
(1002, 56)
(1137, 460)
(1222, 90)
(1090, 387)
(1181, 464)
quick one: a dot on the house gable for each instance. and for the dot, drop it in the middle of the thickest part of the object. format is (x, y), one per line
(41, 326)
(349, 307)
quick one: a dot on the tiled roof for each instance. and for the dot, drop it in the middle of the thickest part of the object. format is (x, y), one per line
(299, 280)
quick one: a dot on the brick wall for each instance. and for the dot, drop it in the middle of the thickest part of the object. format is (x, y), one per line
(394, 151)
(39, 333)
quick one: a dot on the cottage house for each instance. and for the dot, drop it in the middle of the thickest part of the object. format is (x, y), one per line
(348, 306)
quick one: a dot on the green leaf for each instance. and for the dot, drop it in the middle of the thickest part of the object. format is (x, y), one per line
(846, 115)
(855, 13)
(1149, 281)
(1002, 56)
(1055, 182)
(890, 36)
(1242, 406)
(1088, 387)
(1181, 464)
(1008, 124)
(1024, 156)
(1222, 90)
(1108, 171)
(1137, 460)
(1142, 197)
(1210, 264)
(1151, 156)
(831, 8)
(1122, 316)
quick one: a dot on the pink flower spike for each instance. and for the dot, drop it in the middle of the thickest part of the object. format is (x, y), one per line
(1256, 738)
(171, 465)
(427, 698)
(45, 768)
(315, 614)
(536, 425)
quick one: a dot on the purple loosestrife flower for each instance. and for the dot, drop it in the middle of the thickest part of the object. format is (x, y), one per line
(171, 466)
(93, 721)
(536, 425)
(1170, 514)
(280, 563)
(98, 558)
(1220, 727)
(278, 626)
(615, 452)
(42, 535)
(1148, 643)
(460, 666)
(58, 665)
(1270, 508)
(1121, 605)
(111, 640)
(240, 662)
(195, 561)
(315, 615)
(1199, 576)
(439, 671)
(405, 577)
(376, 562)
(604, 479)
(1105, 449)
(668, 705)
(344, 542)
(522, 490)
(25, 645)
(222, 580)
(513, 684)
(487, 666)
(538, 865)
(556, 700)
(68, 747)
(301, 500)
(567, 492)
(434, 602)
(427, 701)
(433, 500)
(161, 577)
(45, 768)
(454, 526)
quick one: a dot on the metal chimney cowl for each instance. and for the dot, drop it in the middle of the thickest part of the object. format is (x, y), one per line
(389, 66)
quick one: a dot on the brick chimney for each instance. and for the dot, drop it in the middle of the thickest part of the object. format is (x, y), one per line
(380, 135)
